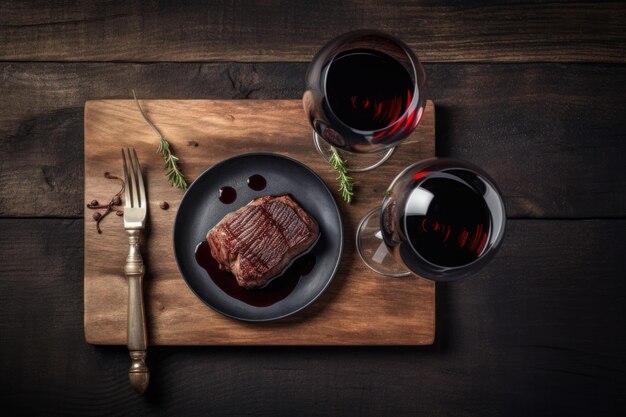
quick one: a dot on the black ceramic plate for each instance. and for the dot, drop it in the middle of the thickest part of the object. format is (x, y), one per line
(201, 209)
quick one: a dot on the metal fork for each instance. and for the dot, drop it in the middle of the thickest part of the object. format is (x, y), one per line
(135, 213)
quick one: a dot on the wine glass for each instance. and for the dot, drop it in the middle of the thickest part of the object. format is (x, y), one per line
(364, 94)
(441, 219)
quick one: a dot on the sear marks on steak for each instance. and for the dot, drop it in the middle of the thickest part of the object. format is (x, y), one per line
(259, 240)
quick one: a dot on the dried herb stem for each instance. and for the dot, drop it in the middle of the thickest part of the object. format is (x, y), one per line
(172, 171)
(116, 200)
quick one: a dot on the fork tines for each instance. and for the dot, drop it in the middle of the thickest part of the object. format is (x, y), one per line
(135, 203)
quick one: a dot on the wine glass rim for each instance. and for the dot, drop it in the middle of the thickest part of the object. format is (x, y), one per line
(413, 59)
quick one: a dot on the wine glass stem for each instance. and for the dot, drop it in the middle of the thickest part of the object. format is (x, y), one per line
(372, 249)
(320, 148)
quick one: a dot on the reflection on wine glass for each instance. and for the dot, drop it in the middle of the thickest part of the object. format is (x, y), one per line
(364, 94)
(441, 219)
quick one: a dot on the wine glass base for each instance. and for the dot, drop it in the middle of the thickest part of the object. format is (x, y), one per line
(356, 162)
(372, 249)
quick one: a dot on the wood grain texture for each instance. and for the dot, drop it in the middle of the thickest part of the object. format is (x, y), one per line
(449, 31)
(537, 332)
(358, 308)
(553, 136)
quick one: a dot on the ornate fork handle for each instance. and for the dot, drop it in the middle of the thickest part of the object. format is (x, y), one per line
(138, 373)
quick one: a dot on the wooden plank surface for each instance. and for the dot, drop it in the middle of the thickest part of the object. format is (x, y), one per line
(539, 326)
(537, 333)
(449, 31)
(553, 136)
(359, 308)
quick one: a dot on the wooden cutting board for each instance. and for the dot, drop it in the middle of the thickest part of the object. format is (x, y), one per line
(359, 308)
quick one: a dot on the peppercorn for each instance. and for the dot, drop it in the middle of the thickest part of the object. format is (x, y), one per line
(115, 201)
(164, 205)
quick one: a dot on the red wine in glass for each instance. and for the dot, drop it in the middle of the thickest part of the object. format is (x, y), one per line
(368, 90)
(364, 94)
(441, 219)
(453, 230)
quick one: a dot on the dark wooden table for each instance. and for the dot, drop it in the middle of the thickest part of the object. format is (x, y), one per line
(533, 92)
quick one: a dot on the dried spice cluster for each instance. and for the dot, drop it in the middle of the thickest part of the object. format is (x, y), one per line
(115, 202)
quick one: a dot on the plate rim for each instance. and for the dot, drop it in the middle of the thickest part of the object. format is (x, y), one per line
(337, 211)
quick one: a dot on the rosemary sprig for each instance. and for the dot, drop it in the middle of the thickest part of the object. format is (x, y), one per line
(172, 170)
(345, 182)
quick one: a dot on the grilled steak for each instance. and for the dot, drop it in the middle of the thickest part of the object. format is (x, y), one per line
(259, 240)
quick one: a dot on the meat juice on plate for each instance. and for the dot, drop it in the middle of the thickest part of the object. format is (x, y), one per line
(227, 195)
(257, 182)
(278, 288)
